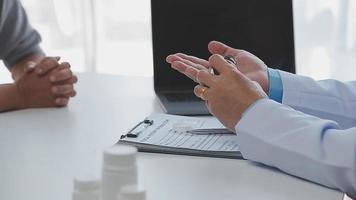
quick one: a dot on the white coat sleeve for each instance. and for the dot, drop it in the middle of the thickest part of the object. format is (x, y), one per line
(299, 144)
(326, 99)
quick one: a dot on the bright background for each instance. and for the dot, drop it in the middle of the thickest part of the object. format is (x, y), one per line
(118, 32)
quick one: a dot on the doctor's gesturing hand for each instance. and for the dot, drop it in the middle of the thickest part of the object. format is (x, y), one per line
(301, 113)
(227, 94)
(248, 64)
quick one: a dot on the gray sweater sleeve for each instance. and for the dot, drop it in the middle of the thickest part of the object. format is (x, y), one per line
(17, 37)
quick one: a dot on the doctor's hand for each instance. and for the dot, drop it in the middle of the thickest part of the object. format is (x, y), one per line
(228, 94)
(248, 64)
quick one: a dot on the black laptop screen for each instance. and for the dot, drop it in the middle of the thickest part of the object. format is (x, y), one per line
(264, 28)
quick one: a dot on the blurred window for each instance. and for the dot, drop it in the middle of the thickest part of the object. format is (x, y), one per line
(325, 38)
(114, 36)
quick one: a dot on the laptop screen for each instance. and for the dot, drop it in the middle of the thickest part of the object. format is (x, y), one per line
(264, 28)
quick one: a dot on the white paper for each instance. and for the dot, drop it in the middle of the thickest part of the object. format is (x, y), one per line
(162, 133)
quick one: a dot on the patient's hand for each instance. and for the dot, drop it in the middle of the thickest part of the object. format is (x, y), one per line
(46, 84)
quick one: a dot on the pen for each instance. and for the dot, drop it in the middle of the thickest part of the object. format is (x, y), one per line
(210, 131)
(230, 59)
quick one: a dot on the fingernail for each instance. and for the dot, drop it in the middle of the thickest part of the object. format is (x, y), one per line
(169, 58)
(54, 89)
(52, 78)
(57, 58)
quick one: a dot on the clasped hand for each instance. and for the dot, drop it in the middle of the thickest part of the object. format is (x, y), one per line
(46, 84)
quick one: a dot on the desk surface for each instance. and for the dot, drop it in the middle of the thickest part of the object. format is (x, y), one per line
(42, 150)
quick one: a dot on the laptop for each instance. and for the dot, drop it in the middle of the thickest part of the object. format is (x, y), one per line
(264, 28)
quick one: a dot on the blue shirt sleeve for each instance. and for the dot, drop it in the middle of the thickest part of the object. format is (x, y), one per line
(275, 91)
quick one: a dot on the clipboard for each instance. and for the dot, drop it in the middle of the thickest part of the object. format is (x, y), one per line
(156, 134)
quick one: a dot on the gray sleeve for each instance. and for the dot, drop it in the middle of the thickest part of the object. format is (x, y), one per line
(18, 39)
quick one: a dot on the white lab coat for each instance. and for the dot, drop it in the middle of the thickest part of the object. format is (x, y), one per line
(312, 135)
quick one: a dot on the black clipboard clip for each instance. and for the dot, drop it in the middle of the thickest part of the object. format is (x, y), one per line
(134, 134)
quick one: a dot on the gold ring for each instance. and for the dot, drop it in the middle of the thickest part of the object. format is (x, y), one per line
(202, 92)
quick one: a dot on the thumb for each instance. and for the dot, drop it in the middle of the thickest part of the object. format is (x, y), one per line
(216, 47)
(29, 67)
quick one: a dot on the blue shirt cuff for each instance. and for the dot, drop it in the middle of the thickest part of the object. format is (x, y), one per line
(275, 91)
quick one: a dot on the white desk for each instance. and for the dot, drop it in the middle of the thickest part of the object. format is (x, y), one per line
(42, 150)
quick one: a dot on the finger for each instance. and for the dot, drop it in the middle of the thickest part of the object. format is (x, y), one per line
(205, 78)
(62, 75)
(73, 80)
(174, 58)
(30, 66)
(192, 74)
(64, 65)
(223, 66)
(201, 92)
(185, 69)
(195, 60)
(171, 58)
(72, 94)
(62, 89)
(46, 65)
(216, 47)
(179, 66)
(61, 101)
(219, 63)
